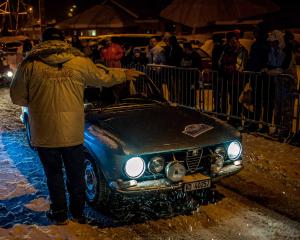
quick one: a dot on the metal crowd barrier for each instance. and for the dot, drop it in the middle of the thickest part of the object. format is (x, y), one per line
(269, 100)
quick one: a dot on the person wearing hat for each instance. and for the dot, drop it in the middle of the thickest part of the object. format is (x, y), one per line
(50, 82)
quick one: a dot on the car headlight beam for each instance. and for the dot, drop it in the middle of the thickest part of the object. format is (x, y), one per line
(134, 167)
(234, 150)
(9, 74)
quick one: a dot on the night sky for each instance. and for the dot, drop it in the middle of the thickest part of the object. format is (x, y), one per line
(58, 9)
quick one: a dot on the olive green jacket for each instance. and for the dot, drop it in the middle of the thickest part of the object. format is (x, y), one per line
(50, 82)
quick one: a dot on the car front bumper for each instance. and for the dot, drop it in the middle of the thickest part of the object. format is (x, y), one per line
(164, 184)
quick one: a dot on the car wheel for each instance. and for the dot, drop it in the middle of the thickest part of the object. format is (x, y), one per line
(28, 134)
(96, 188)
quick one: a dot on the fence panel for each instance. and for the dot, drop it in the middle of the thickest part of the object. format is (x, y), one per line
(259, 98)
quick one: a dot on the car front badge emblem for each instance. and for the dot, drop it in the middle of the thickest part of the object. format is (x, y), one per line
(194, 130)
(195, 152)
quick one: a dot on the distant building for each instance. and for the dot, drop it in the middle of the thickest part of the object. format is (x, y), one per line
(114, 17)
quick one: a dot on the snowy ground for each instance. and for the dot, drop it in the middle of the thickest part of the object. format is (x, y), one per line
(261, 202)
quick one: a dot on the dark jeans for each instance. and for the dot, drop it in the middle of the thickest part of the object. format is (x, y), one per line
(73, 160)
(227, 87)
(263, 98)
(220, 89)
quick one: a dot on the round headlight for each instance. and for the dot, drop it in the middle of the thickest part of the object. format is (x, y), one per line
(156, 164)
(9, 74)
(218, 160)
(234, 150)
(175, 171)
(135, 167)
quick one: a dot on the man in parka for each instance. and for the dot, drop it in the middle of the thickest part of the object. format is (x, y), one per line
(50, 82)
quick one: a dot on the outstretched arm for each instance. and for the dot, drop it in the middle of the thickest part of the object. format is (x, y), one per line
(99, 75)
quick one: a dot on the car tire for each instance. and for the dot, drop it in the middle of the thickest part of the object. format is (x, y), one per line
(97, 190)
(28, 133)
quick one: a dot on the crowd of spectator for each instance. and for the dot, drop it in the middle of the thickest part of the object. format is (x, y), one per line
(163, 50)
(272, 53)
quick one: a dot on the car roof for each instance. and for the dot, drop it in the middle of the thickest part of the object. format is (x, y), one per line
(8, 39)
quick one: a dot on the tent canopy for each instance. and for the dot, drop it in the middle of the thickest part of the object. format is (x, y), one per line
(99, 16)
(200, 13)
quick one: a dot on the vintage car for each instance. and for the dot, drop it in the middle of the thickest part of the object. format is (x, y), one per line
(138, 143)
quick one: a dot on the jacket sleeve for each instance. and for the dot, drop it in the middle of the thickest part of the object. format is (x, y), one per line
(98, 75)
(19, 86)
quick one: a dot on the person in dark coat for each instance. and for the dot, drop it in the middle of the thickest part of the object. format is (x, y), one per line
(218, 47)
(289, 62)
(258, 56)
(216, 51)
(191, 58)
(257, 61)
(76, 43)
(138, 57)
(27, 46)
(173, 52)
(232, 61)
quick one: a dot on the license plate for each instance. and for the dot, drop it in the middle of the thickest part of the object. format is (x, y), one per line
(196, 185)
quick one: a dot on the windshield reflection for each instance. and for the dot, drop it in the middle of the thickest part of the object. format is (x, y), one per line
(141, 91)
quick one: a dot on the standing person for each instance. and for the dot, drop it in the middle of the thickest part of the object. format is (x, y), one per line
(218, 45)
(128, 54)
(50, 82)
(95, 53)
(27, 46)
(138, 57)
(275, 61)
(86, 49)
(155, 51)
(76, 43)
(281, 61)
(257, 61)
(191, 58)
(289, 62)
(173, 51)
(112, 53)
(233, 61)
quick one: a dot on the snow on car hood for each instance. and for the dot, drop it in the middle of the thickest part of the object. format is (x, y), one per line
(162, 128)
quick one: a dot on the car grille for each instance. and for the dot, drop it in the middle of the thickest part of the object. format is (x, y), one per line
(193, 159)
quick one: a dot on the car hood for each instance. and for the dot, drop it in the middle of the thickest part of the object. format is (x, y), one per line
(159, 128)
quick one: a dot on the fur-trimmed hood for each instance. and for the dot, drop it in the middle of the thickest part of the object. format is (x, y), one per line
(53, 52)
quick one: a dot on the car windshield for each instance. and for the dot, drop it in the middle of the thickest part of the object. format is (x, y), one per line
(140, 91)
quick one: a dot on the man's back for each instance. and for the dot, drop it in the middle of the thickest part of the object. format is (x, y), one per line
(55, 75)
